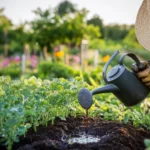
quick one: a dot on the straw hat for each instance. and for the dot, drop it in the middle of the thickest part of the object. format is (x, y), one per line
(142, 25)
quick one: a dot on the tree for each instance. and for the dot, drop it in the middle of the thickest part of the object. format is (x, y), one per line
(19, 36)
(65, 7)
(97, 21)
(131, 41)
(5, 25)
(45, 28)
(116, 32)
(75, 28)
(51, 28)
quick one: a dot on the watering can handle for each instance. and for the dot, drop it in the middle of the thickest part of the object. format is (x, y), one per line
(140, 65)
(107, 64)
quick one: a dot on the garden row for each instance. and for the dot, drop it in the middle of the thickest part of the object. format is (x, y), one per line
(28, 103)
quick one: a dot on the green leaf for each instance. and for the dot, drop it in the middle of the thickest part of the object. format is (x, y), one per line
(126, 119)
(147, 143)
(62, 118)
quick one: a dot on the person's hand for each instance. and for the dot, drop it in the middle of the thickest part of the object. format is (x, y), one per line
(143, 75)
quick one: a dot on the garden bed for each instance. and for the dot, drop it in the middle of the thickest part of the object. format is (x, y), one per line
(31, 104)
(73, 133)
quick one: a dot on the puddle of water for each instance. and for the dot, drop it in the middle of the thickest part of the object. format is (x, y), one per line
(83, 139)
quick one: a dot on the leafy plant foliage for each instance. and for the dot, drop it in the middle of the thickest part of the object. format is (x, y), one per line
(32, 102)
(29, 103)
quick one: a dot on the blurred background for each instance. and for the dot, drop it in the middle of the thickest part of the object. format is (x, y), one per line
(66, 38)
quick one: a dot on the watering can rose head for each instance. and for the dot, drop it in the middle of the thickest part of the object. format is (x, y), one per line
(85, 98)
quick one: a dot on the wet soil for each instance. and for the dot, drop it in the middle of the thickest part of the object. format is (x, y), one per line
(99, 135)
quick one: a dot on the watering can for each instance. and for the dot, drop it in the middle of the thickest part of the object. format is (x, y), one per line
(120, 81)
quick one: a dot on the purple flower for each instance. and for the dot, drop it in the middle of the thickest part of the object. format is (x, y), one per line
(17, 59)
(33, 61)
(76, 58)
(5, 62)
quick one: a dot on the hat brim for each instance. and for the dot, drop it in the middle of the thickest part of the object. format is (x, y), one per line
(142, 25)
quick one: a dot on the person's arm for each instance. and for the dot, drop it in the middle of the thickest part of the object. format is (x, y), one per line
(143, 75)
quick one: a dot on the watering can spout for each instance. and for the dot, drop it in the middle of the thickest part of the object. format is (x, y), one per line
(106, 89)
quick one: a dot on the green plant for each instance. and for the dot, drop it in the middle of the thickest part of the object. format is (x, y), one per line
(147, 144)
(31, 102)
(51, 70)
(105, 45)
(14, 71)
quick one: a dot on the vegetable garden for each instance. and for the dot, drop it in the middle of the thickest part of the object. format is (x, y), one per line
(39, 109)
(45, 114)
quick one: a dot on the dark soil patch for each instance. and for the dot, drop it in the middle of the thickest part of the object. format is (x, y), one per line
(112, 136)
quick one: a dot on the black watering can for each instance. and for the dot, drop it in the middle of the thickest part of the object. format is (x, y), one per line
(121, 82)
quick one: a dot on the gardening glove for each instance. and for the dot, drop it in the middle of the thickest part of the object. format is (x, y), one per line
(143, 75)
